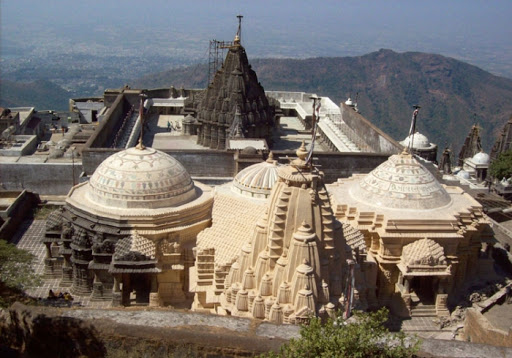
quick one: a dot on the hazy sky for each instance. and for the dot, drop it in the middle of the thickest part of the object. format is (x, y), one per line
(463, 29)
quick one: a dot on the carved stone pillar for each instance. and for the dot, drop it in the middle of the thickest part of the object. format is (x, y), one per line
(207, 135)
(407, 284)
(154, 297)
(386, 285)
(126, 290)
(116, 292)
(214, 141)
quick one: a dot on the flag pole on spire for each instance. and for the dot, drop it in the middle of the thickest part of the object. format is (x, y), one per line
(412, 130)
(317, 103)
(141, 114)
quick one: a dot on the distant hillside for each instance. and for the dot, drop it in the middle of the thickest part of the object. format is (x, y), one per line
(41, 94)
(453, 94)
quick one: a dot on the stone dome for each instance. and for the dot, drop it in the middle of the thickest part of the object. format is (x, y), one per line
(463, 174)
(401, 182)
(258, 179)
(249, 150)
(481, 158)
(420, 141)
(141, 178)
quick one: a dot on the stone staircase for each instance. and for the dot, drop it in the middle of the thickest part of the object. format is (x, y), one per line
(127, 130)
(337, 136)
(422, 310)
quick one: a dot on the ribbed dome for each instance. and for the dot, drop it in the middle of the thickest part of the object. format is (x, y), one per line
(257, 180)
(401, 182)
(141, 178)
(419, 142)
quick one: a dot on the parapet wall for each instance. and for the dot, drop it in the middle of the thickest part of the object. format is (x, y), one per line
(200, 163)
(379, 141)
(41, 178)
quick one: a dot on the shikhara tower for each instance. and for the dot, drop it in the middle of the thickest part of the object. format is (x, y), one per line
(294, 263)
(234, 104)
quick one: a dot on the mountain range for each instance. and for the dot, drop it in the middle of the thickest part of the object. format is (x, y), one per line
(41, 94)
(453, 95)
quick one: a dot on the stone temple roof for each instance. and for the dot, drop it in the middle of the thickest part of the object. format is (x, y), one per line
(234, 102)
(423, 252)
(257, 180)
(141, 178)
(135, 248)
(401, 183)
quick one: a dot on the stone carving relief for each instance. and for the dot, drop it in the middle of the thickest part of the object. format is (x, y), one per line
(81, 239)
(169, 246)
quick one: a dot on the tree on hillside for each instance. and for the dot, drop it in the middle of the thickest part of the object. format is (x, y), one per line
(365, 336)
(16, 272)
(501, 167)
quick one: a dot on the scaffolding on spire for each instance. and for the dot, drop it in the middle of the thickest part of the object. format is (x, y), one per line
(216, 52)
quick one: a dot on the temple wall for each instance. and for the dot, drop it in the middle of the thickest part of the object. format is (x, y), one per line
(478, 329)
(373, 136)
(200, 163)
(56, 178)
(41, 178)
(102, 136)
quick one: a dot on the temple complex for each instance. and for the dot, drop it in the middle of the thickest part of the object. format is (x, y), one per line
(128, 233)
(426, 238)
(268, 238)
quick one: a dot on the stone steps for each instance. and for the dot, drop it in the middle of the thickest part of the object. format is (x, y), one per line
(424, 311)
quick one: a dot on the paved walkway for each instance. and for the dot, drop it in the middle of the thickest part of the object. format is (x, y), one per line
(29, 238)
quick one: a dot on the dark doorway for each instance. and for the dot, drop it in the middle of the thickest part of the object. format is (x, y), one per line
(425, 289)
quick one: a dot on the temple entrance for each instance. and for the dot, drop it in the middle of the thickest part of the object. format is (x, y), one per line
(136, 288)
(425, 289)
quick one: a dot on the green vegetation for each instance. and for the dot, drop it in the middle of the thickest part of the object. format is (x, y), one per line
(365, 337)
(501, 167)
(42, 211)
(16, 273)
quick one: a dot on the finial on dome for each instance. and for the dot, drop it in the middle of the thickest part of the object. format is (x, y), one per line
(302, 152)
(270, 158)
(140, 145)
(238, 36)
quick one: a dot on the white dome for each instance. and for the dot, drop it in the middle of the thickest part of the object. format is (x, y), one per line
(463, 174)
(401, 182)
(141, 178)
(481, 158)
(257, 180)
(419, 142)
(349, 102)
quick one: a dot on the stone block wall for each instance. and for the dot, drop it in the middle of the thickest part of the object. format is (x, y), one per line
(373, 136)
(478, 329)
(41, 178)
